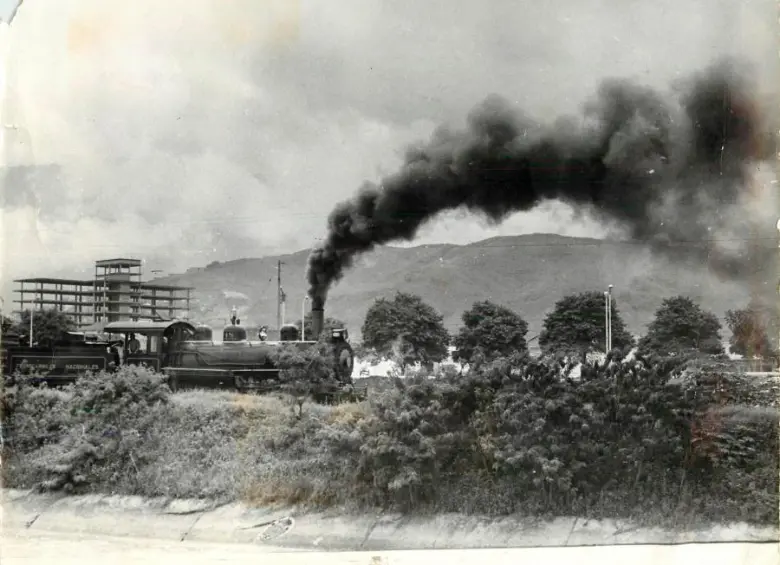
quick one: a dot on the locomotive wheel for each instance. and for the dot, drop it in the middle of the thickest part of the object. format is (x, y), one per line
(345, 358)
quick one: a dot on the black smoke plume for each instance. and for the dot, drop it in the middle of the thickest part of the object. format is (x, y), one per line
(670, 172)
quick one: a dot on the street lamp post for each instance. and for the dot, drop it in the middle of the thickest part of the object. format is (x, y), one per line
(609, 317)
(606, 322)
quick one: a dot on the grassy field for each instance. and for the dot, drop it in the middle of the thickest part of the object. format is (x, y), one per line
(251, 448)
(203, 444)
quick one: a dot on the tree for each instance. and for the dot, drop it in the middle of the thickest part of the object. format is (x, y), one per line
(681, 326)
(492, 329)
(577, 325)
(9, 324)
(327, 325)
(407, 328)
(48, 325)
(749, 332)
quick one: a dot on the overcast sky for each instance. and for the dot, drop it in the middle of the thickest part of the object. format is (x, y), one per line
(187, 131)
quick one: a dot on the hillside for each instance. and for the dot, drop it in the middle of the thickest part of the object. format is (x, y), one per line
(527, 273)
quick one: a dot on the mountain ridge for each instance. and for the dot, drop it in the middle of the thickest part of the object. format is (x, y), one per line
(527, 273)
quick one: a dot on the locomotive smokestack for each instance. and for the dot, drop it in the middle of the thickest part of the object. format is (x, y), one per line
(317, 317)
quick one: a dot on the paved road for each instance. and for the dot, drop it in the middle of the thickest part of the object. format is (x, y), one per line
(61, 548)
(19, 546)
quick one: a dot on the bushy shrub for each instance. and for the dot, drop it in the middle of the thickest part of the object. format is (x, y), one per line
(734, 442)
(32, 416)
(110, 415)
(620, 440)
(566, 443)
(305, 372)
(410, 441)
(513, 434)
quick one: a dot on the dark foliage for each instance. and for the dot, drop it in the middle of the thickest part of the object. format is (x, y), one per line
(749, 333)
(577, 325)
(407, 328)
(490, 329)
(681, 326)
(48, 326)
(620, 441)
(651, 439)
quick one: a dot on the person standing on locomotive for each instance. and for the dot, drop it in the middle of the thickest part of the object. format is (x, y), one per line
(113, 349)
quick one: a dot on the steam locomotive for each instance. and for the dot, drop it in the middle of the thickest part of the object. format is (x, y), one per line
(186, 353)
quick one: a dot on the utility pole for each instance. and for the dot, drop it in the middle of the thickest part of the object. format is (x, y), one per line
(778, 284)
(279, 295)
(303, 318)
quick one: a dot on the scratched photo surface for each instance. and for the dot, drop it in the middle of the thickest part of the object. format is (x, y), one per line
(372, 276)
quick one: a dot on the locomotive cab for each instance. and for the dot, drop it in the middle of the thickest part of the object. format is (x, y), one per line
(153, 344)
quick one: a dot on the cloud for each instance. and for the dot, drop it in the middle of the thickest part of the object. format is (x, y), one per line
(186, 131)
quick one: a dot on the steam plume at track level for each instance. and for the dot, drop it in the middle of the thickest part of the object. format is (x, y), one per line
(665, 170)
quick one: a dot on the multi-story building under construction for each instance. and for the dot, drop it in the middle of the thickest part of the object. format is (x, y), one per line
(116, 293)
